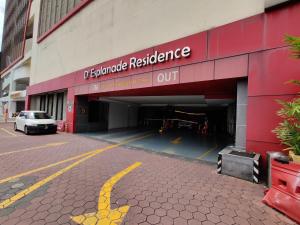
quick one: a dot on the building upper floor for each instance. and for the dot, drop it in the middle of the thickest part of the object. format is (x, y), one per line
(15, 82)
(71, 35)
(15, 31)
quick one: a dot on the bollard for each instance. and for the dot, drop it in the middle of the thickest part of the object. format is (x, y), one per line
(270, 156)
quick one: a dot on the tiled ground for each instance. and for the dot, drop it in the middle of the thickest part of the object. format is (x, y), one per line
(163, 190)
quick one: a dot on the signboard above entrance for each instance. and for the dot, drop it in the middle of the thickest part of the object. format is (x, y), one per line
(134, 62)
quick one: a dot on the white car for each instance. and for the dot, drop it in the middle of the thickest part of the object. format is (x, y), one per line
(35, 122)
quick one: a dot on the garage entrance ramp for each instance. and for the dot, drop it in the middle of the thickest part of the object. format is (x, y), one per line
(180, 143)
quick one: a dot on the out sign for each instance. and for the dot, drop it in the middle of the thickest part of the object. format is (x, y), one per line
(166, 77)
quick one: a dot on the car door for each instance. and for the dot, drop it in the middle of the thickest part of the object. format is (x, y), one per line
(18, 120)
(21, 121)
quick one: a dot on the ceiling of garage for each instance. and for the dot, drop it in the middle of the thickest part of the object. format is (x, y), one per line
(183, 100)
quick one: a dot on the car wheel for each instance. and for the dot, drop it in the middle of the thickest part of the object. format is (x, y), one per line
(15, 127)
(26, 130)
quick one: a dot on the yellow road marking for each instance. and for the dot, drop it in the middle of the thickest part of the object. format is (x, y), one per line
(39, 184)
(63, 161)
(8, 132)
(34, 148)
(6, 136)
(176, 141)
(105, 215)
(54, 144)
(45, 167)
(207, 152)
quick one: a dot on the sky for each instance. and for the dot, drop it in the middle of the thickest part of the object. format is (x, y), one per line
(2, 8)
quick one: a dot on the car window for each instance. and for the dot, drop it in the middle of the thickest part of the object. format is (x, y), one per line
(21, 114)
(39, 115)
(26, 116)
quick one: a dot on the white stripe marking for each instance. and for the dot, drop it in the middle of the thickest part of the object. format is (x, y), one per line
(255, 179)
(256, 170)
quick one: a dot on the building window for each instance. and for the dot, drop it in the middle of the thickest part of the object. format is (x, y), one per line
(59, 106)
(54, 104)
(50, 105)
(54, 12)
(15, 20)
(43, 103)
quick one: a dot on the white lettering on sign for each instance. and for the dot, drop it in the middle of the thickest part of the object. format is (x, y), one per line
(134, 63)
(94, 73)
(167, 76)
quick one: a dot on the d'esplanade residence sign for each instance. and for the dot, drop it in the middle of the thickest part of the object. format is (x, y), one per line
(149, 59)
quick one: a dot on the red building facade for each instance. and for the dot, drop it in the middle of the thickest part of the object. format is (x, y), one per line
(251, 49)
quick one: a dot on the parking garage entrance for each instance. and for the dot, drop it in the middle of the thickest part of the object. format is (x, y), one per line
(194, 126)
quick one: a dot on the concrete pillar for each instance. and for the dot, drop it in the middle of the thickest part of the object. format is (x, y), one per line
(12, 107)
(27, 103)
(54, 105)
(241, 114)
(12, 87)
(71, 110)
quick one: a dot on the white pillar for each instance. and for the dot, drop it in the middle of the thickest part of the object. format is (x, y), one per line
(241, 113)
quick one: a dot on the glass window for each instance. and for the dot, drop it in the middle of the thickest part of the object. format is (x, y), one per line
(13, 32)
(38, 115)
(50, 104)
(52, 12)
(26, 115)
(59, 106)
(43, 103)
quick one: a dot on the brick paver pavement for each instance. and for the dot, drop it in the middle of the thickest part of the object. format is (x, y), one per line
(163, 190)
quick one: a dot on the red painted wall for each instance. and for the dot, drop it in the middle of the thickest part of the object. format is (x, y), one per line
(237, 38)
(71, 110)
(268, 73)
(252, 48)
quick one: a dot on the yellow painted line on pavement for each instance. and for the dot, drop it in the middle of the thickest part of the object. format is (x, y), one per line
(176, 141)
(37, 185)
(54, 144)
(105, 215)
(207, 152)
(44, 167)
(8, 132)
(63, 161)
(34, 148)
(6, 136)
(22, 194)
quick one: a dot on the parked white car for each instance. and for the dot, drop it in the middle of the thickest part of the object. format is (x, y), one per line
(35, 122)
